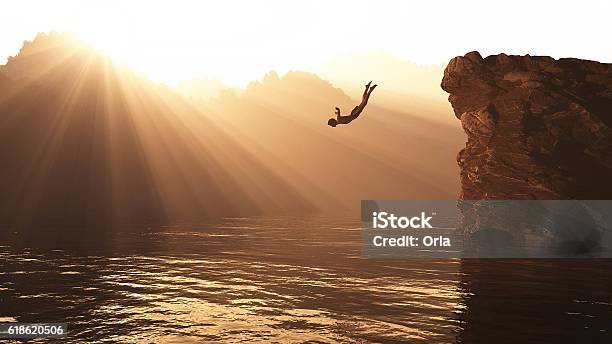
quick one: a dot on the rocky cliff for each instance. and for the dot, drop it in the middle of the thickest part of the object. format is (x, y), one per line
(537, 128)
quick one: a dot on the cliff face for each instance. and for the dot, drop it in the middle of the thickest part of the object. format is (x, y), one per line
(537, 128)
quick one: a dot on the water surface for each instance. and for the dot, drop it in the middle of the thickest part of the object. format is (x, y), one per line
(289, 279)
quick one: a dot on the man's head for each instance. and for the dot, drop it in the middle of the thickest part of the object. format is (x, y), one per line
(332, 122)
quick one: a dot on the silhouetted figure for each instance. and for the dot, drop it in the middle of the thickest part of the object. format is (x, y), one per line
(356, 111)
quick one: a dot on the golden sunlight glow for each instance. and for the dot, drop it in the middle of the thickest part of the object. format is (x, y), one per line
(241, 40)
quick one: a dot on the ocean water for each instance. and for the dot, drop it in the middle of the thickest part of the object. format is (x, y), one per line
(289, 280)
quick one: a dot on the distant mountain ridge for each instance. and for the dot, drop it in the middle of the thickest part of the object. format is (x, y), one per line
(86, 142)
(90, 143)
(39, 55)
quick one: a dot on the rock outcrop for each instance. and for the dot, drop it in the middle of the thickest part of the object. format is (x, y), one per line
(537, 128)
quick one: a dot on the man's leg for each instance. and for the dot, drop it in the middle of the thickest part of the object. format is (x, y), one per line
(366, 97)
(365, 92)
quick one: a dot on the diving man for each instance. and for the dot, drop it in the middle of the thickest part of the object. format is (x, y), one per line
(356, 111)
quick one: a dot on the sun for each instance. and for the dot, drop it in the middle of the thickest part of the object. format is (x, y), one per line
(108, 42)
(169, 58)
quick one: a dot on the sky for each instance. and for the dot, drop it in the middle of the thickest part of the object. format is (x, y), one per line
(238, 41)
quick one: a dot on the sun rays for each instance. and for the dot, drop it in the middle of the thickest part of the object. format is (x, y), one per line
(103, 142)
